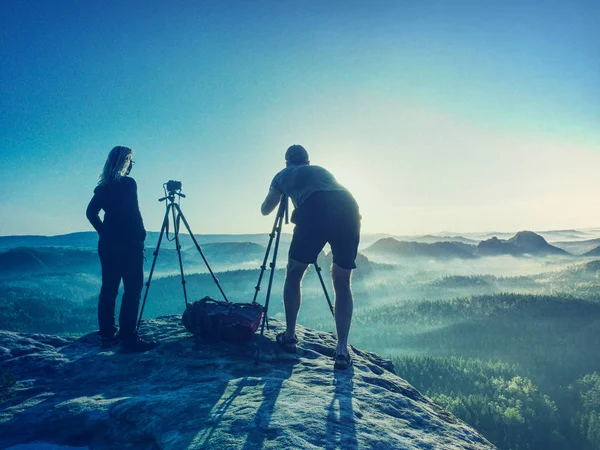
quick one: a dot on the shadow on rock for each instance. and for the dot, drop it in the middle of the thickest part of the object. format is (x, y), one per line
(341, 426)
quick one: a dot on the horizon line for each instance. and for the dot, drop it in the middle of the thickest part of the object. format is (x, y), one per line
(437, 234)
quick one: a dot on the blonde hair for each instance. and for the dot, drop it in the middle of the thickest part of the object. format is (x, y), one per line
(116, 165)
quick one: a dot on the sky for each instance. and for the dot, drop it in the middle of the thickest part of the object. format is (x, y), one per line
(462, 115)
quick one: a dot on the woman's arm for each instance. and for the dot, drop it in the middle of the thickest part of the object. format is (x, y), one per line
(92, 212)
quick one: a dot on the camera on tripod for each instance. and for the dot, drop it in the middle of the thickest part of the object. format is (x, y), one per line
(173, 186)
(173, 193)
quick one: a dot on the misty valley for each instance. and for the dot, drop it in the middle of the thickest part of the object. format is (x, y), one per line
(503, 330)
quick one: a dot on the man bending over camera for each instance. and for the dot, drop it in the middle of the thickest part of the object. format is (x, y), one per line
(324, 212)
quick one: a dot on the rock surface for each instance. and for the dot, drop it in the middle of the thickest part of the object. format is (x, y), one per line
(188, 394)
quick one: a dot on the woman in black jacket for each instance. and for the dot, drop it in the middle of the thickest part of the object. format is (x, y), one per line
(121, 250)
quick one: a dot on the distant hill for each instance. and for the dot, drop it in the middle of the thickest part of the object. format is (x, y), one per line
(495, 246)
(563, 235)
(38, 260)
(569, 240)
(86, 239)
(593, 252)
(432, 238)
(441, 250)
(578, 247)
(488, 235)
(552, 236)
(524, 242)
(364, 267)
(230, 252)
(221, 256)
(204, 239)
(89, 240)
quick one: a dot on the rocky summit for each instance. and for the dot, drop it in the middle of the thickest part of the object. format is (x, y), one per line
(190, 394)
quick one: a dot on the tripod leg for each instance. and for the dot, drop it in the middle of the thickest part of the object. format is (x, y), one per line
(162, 231)
(263, 267)
(279, 223)
(201, 252)
(318, 269)
(277, 226)
(178, 247)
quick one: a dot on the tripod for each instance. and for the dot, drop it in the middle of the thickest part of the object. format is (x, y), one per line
(276, 234)
(177, 215)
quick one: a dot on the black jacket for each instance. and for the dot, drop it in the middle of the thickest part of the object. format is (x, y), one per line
(123, 222)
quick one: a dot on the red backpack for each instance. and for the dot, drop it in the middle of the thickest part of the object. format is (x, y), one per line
(216, 319)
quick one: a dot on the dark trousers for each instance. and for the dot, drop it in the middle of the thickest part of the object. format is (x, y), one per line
(120, 262)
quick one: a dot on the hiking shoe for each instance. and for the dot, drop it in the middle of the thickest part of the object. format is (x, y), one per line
(137, 345)
(342, 362)
(109, 341)
(287, 345)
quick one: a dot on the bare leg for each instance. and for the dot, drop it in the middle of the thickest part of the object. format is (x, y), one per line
(343, 306)
(291, 295)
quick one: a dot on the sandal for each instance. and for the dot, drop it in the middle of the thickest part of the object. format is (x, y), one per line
(342, 362)
(287, 345)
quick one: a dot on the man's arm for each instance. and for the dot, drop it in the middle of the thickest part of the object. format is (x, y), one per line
(271, 202)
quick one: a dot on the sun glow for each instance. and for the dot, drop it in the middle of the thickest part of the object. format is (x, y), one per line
(364, 188)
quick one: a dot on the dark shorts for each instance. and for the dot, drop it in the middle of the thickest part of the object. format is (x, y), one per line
(327, 216)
